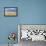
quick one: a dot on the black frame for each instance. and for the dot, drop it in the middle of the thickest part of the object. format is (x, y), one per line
(9, 15)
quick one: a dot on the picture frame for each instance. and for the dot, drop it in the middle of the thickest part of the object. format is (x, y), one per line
(10, 11)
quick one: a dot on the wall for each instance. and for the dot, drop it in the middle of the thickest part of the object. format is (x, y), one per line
(33, 12)
(29, 12)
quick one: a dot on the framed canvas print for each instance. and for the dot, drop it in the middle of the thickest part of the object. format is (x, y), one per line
(10, 11)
